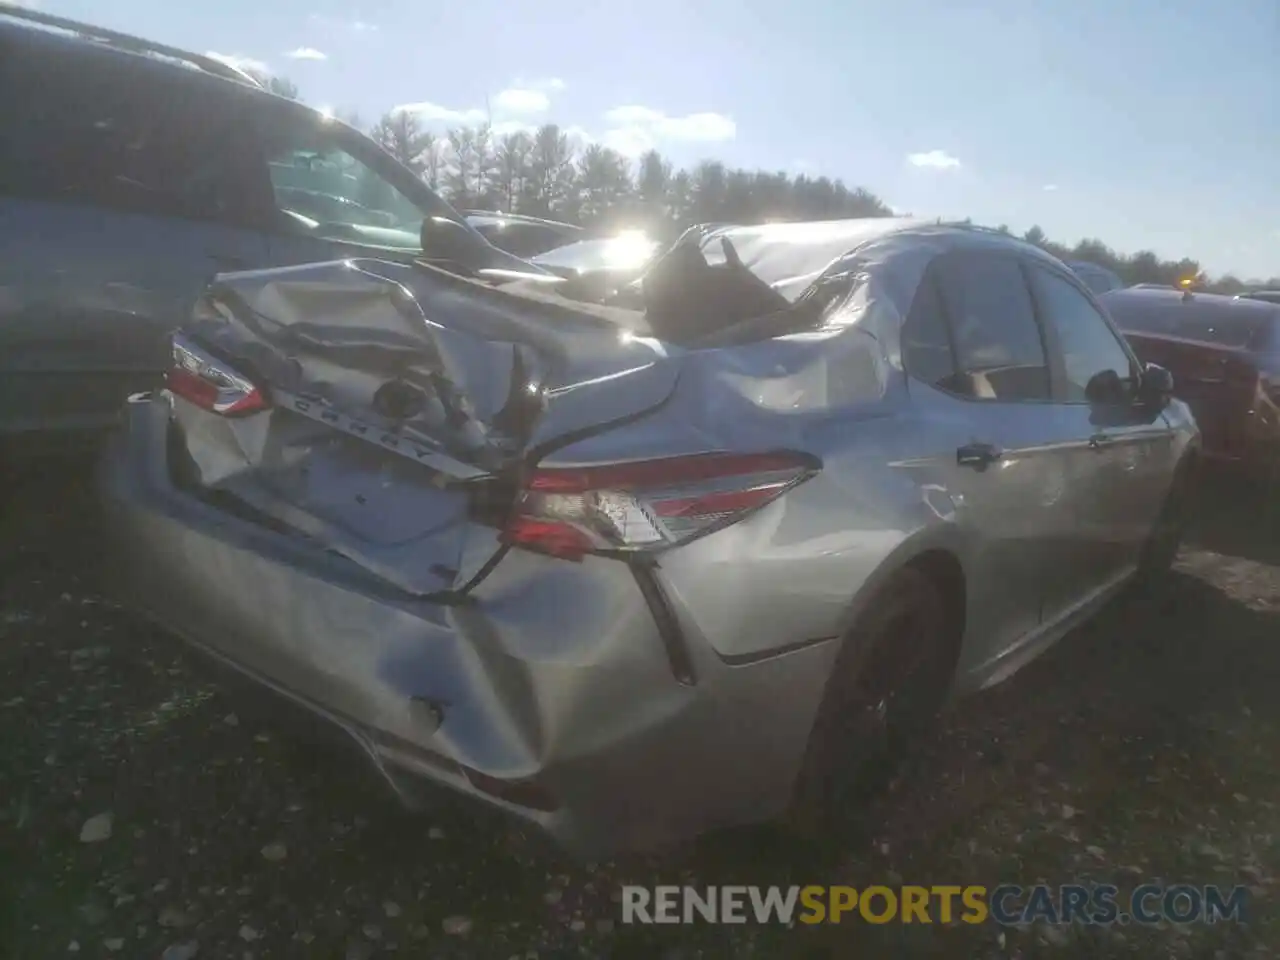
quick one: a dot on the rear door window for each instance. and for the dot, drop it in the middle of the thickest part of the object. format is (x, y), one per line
(926, 344)
(999, 350)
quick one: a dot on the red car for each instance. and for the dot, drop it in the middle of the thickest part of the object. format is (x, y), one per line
(1224, 354)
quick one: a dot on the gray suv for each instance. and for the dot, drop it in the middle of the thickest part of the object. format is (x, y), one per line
(132, 174)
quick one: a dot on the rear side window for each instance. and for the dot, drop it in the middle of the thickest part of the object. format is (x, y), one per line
(999, 350)
(926, 344)
(99, 130)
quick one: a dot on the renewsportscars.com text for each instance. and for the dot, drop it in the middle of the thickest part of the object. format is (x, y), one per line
(1008, 904)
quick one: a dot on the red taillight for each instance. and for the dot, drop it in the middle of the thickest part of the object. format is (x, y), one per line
(210, 383)
(647, 504)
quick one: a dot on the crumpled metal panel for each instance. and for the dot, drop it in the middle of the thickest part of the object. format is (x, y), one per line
(324, 461)
(790, 256)
(559, 676)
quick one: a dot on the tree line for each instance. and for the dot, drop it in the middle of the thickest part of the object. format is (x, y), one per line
(548, 173)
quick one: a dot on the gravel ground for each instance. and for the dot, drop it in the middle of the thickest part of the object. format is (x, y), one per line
(143, 814)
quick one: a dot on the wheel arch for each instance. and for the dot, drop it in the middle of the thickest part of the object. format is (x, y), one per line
(941, 553)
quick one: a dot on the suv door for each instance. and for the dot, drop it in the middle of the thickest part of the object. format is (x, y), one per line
(973, 337)
(117, 205)
(1126, 449)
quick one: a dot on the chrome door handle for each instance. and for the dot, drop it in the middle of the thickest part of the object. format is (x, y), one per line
(978, 455)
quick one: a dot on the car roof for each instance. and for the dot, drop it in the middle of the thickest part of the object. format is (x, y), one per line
(1088, 266)
(1172, 297)
(28, 23)
(494, 218)
(618, 252)
(53, 37)
(790, 256)
(1209, 317)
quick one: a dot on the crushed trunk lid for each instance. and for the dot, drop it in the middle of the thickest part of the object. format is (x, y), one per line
(403, 403)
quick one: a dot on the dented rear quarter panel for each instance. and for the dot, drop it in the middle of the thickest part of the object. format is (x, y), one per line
(567, 674)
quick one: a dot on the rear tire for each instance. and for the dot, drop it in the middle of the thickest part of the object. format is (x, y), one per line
(1161, 547)
(887, 686)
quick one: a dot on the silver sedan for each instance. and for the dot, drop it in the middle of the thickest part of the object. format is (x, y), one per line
(631, 575)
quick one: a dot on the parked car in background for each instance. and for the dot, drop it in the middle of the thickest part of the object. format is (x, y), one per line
(630, 575)
(1098, 278)
(131, 173)
(1266, 296)
(1224, 353)
(595, 269)
(524, 236)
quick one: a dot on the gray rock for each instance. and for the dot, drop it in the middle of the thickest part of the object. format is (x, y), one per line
(457, 926)
(93, 913)
(172, 918)
(97, 828)
(181, 951)
(275, 852)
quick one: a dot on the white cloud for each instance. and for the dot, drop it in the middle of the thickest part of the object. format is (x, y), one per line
(247, 64)
(934, 160)
(509, 111)
(1049, 187)
(633, 129)
(545, 84)
(434, 113)
(697, 127)
(629, 141)
(521, 100)
(306, 53)
(354, 25)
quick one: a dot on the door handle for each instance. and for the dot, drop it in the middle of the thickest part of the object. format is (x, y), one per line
(1100, 440)
(978, 455)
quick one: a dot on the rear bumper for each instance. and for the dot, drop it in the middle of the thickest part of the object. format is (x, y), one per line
(550, 695)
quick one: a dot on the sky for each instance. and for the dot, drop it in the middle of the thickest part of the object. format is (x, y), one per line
(1149, 124)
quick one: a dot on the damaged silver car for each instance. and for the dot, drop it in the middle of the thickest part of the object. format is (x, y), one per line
(631, 575)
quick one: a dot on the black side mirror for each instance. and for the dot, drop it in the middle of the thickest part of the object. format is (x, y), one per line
(448, 240)
(1155, 388)
(1106, 388)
